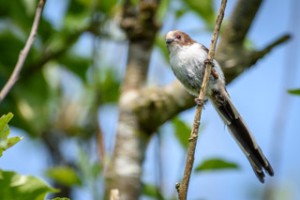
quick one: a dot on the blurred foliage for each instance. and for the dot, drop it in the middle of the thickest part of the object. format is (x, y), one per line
(152, 191)
(6, 142)
(182, 132)
(91, 173)
(63, 175)
(37, 91)
(205, 10)
(213, 164)
(160, 43)
(54, 97)
(294, 91)
(16, 186)
(64, 82)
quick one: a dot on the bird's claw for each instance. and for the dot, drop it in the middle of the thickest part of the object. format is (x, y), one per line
(213, 71)
(208, 61)
(199, 102)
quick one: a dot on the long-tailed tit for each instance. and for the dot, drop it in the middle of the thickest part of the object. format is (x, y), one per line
(187, 58)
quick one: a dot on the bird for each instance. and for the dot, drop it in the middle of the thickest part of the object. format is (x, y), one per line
(187, 60)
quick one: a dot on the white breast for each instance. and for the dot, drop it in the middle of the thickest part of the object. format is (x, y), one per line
(187, 63)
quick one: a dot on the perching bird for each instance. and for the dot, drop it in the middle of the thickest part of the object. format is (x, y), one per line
(187, 59)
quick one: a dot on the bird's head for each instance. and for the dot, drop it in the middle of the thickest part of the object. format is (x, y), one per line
(176, 39)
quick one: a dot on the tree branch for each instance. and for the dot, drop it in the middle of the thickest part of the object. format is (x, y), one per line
(261, 53)
(24, 52)
(125, 168)
(239, 23)
(231, 53)
(114, 194)
(183, 187)
(140, 27)
(50, 54)
(240, 59)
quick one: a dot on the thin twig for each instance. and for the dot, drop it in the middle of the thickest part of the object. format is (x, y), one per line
(24, 52)
(259, 54)
(183, 187)
(94, 64)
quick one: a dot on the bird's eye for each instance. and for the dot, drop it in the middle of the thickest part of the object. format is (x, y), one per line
(178, 37)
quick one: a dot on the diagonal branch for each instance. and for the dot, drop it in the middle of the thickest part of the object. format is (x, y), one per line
(261, 53)
(232, 54)
(183, 187)
(241, 58)
(50, 54)
(239, 23)
(23, 54)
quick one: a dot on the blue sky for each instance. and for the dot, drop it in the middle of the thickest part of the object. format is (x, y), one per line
(256, 94)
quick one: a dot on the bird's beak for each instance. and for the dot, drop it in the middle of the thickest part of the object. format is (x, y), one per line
(169, 40)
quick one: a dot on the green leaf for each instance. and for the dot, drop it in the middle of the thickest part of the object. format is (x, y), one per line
(216, 164)
(294, 91)
(180, 12)
(33, 103)
(17, 14)
(160, 43)
(6, 142)
(134, 2)
(90, 170)
(16, 186)
(204, 9)
(76, 63)
(107, 6)
(162, 10)
(10, 47)
(60, 198)
(71, 19)
(152, 191)
(12, 141)
(64, 175)
(182, 131)
(108, 85)
(78, 7)
(4, 129)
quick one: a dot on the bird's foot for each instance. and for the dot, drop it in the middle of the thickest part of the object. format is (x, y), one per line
(208, 61)
(199, 102)
(213, 71)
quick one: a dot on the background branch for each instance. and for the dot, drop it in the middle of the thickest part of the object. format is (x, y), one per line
(24, 52)
(49, 54)
(239, 23)
(261, 53)
(139, 24)
(183, 187)
(231, 54)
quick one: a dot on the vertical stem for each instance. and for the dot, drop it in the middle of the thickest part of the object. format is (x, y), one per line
(183, 187)
(24, 52)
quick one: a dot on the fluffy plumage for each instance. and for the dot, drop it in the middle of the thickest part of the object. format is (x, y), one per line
(187, 62)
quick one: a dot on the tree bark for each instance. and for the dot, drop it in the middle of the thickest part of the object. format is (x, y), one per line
(125, 170)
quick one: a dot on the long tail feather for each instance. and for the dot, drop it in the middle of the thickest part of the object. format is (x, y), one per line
(241, 133)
